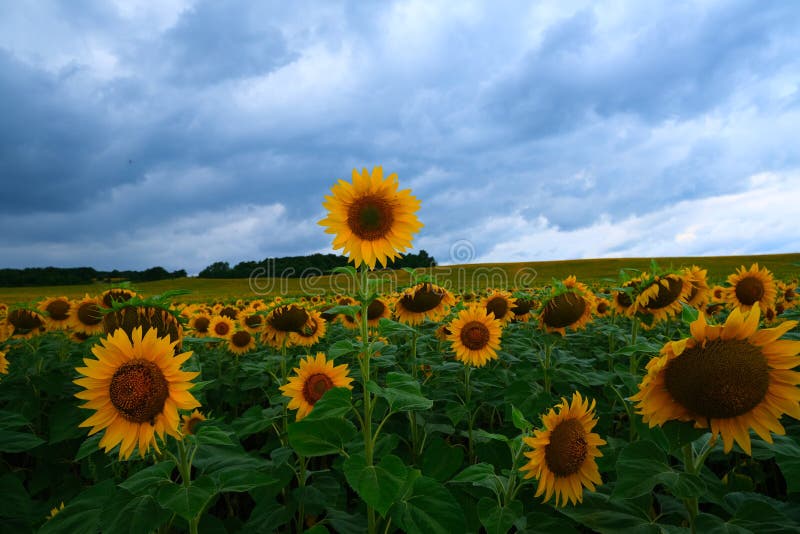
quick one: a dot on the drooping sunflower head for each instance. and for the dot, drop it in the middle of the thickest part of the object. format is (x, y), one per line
(423, 301)
(282, 322)
(26, 323)
(190, 422)
(700, 293)
(378, 309)
(252, 320)
(86, 316)
(371, 219)
(136, 387)
(602, 307)
(117, 294)
(56, 309)
(624, 299)
(748, 288)
(564, 452)
(145, 317)
(523, 307)
(660, 296)
(231, 312)
(311, 332)
(730, 378)
(475, 335)
(500, 304)
(241, 341)
(569, 305)
(311, 380)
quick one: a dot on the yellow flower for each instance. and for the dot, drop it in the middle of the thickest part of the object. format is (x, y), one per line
(564, 452)
(569, 309)
(241, 342)
(57, 311)
(730, 378)
(136, 387)
(750, 287)
(475, 335)
(86, 317)
(423, 301)
(500, 303)
(372, 220)
(190, 422)
(311, 380)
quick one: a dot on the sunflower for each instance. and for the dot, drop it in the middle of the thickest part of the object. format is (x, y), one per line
(281, 322)
(750, 287)
(55, 510)
(230, 312)
(522, 309)
(730, 378)
(117, 294)
(86, 316)
(3, 363)
(564, 452)
(311, 332)
(371, 219)
(189, 422)
(136, 387)
(377, 310)
(568, 306)
(475, 335)
(200, 324)
(241, 342)
(312, 379)
(700, 293)
(221, 327)
(26, 323)
(602, 307)
(500, 303)
(424, 300)
(251, 320)
(718, 294)
(145, 317)
(789, 295)
(660, 296)
(623, 302)
(57, 311)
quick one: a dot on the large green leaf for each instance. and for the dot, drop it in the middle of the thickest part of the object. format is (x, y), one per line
(642, 465)
(427, 508)
(318, 438)
(82, 513)
(441, 460)
(498, 519)
(403, 393)
(13, 441)
(335, 402)
(150, 478)
(133, 515)
(188, 502)
(378, 485)
(599, 513)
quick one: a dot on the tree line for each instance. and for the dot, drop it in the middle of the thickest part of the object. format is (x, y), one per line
(65, 276)
(302, 266)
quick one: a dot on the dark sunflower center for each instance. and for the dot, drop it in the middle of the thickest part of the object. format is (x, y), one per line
(423, 300)
(376, 310)
(115, 295)
(229, 312)
(749, 290)
(315, 387)
(222, 329)
(370, 217)
(89, 314)
(725, 379)
(139, 390)
(623, 299)
(146, 317)
(288, 318)
(789, 295)
(201, 324)
(568, 449)
(498, 306)
(475, 335)
(602, 307)
(253, 321)
(190, 426)
(24, 320)
(241, 338)
(521, 307)
(665, 295)
(563, 310)
(58, 310)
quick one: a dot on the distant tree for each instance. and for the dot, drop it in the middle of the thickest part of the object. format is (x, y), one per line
(219, 269)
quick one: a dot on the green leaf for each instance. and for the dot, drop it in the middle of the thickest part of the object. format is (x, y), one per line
(642, 465)
(688, 314)
(209, 434)
(498, 519)
(336, 402)
(9, 420)
(440, 460)
(347, 269)
(13, 441)
(403, 393)
(601, 514)
(82, 513)
(149, 478)
(482, 475)
(255, 420)
(343, 347)
(188, 502)
(520, 423)
(318, 438)
(15, 502)
(64, 421)
(135, 515)
(237, 480)
(379, 485)
(428, 508)
(89, 446)
(388, 327)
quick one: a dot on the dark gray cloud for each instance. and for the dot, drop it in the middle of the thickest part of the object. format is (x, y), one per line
(144, 134)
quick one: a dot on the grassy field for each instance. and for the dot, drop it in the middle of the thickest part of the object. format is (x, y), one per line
(458, 277)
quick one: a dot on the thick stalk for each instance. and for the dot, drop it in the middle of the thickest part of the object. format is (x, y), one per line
(548, 348)
(691, 468)
(365, 376)
(468, 405)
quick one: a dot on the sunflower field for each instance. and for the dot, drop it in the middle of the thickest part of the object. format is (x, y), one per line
(661, 401)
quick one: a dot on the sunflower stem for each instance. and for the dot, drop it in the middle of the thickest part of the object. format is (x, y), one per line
(365, 376)
(411, 417)
(548, 348)
(691, 468)
(301, 482)
(468, 406)
(634, 358)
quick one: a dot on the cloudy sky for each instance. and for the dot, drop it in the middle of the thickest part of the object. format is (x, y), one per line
(178, 133)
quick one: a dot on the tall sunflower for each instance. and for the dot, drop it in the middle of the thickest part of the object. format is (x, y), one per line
(475, 335)
(372, 220)
(311, 380)
(730, 378)
(569, 305)
(564, 452)
(200, 323)
(750, 287)
(136, 386)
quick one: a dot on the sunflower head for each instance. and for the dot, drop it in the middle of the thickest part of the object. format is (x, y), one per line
(311, 380)
(136, 387)
(221, 327)
(26, 323)
(564, 452)
(190, 422)
(730, 378)
(56, 310)
(475, 335)
(86, 316)
(311, 332)
(700, 293)
(748, 288)
(117, 294)
(129, 317)
(423, 301)
(200, 323)
(241, 341)
(500, 304)
(372, 221)
(659, 296)
(569, 305)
